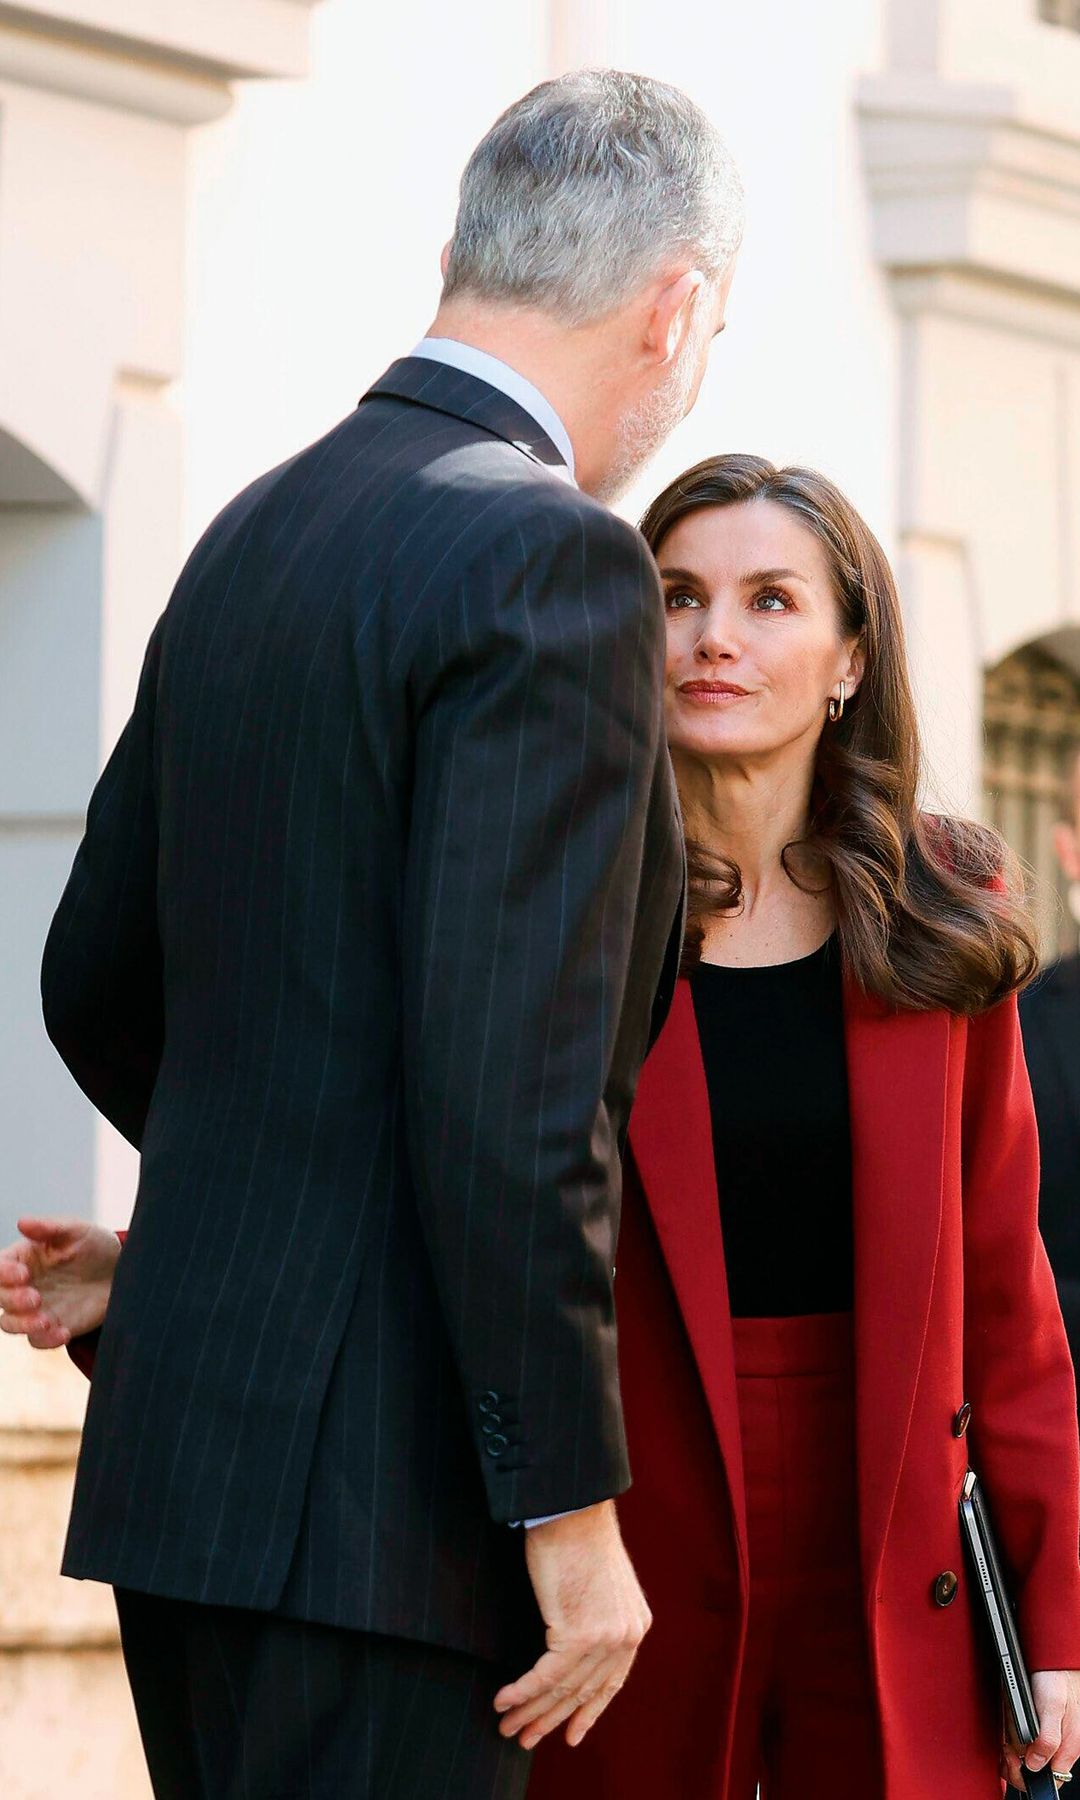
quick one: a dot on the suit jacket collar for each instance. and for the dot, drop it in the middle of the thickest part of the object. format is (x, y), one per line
(897, 1080)
(423, 382)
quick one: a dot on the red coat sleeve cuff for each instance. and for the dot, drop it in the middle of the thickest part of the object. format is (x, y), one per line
(82, 1351)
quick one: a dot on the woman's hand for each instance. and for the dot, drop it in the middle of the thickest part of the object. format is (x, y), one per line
(1057, 1702)
(55, 1283)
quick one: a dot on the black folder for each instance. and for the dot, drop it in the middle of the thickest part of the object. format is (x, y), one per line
(990, 1582)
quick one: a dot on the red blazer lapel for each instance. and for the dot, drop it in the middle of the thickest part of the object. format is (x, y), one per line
(671, 1139)
(897, 1069)
(897, 1078)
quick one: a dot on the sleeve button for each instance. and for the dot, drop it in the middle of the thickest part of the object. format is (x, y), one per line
(489, 1402)
(496, 1445)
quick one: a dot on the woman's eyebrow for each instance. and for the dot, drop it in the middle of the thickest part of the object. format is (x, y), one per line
(759, 575)
(753, 579)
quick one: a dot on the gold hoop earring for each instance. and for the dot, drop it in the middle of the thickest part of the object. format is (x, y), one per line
(836, 707)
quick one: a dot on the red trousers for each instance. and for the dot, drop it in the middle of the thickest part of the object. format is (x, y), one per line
(805, 1724)
(805, 1717)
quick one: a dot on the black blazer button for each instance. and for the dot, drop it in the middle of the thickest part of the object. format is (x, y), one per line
(491, 1424)
(488, 1403)
(496, 1445)
(945, 1588)
(962, 1420)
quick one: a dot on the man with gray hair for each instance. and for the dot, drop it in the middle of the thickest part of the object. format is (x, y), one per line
(379, 900)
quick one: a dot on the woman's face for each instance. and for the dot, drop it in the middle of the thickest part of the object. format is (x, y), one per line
(754, 650)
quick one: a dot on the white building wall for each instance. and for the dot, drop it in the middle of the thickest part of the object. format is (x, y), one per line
(96, 99)
(318, 214)
(318, 210)
(806, 371)
(92, 213)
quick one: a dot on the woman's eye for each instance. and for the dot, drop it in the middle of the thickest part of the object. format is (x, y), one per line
(772, 601)
(677, 600)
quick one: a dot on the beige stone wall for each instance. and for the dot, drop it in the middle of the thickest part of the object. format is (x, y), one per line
(66, 1720)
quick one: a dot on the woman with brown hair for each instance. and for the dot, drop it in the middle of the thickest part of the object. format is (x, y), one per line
(830, 1281)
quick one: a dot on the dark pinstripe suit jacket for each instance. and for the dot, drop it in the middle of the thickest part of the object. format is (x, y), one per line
(1050, 1016)
(360, 949)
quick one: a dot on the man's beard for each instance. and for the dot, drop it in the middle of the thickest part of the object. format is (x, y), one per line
(650, 423)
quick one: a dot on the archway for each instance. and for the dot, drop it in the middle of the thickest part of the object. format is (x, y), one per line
(1031, 717)
(50, 702)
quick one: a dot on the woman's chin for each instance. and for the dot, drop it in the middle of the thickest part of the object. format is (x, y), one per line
(718, 741)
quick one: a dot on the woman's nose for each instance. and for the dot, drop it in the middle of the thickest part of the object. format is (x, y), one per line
(716, 644)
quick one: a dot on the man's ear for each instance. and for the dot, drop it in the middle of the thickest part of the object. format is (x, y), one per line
(1067, 847)
(672, 314)
(444, 259)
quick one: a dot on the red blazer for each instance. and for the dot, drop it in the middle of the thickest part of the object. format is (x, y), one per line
(954, 1301)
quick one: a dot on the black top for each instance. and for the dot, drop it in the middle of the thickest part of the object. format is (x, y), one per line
(772, 1040)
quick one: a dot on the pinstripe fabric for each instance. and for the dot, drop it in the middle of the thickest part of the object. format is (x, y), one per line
(234, 1705)
(360, 949)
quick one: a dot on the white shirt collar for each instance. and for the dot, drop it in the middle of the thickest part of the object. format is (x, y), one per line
(499, 374)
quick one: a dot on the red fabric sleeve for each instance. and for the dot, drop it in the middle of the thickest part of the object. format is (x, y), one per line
(82, 1351)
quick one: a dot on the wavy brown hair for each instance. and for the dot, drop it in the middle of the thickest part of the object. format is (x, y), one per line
(931, 912)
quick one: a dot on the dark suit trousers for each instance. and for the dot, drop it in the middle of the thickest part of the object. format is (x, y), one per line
(238, 1705)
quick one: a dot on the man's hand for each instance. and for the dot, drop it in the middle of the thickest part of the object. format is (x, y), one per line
(55, 1283)
(1057, 1702)
(596, 1617)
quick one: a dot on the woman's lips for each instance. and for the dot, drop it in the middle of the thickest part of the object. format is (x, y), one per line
(713, 693)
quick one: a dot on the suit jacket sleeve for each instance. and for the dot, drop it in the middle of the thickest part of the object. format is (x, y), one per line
(101, 978)
(1018, 1368)
(537, 731)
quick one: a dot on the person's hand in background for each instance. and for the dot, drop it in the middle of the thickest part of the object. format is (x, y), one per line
(56, 1280)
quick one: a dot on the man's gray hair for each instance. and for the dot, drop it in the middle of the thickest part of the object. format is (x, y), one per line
(583, 190)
